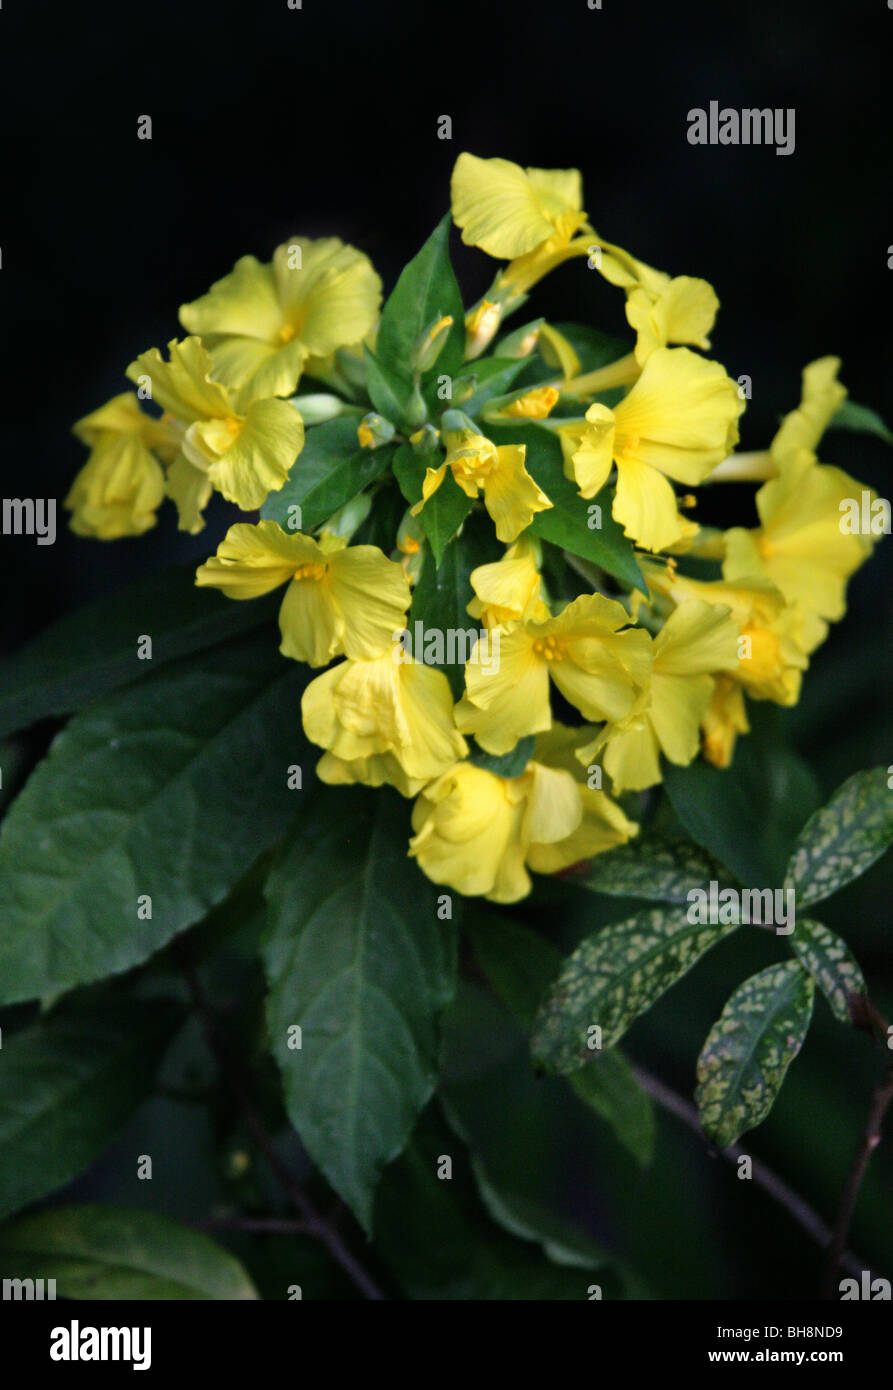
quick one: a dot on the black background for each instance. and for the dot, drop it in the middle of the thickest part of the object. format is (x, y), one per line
(269, 121)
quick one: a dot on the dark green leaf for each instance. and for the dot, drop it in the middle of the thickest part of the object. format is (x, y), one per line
(435, 1235)
(612, 978)
(105, 1253)
(593, 348)
(748, 815)
(330, 470)
(491, 376)
(510, 764)
(358, 958)
(834, 968)
(442, 594)
(426, 290)
(67, 1086)
(520, 965)
(749, 1049)
(658, 867)
(94, 650)
(860, 419)
(167, 790)
(844, 838)
(445, 511)
(388, 392)
(566, 522)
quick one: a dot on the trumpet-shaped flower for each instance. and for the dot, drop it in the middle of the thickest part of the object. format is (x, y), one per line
(245, 456)
(510, 494)
(478, 832)
(678, 421)
(697, 640)
(121, 486)
(382, 720)
(821, 397)
(263, 321)
(662, 309)
(339, 598)
(508, 589)
(600, 669)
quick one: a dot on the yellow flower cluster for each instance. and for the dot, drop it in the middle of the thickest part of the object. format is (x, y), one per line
(662, 676)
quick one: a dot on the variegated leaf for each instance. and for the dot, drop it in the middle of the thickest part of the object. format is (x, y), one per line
(844, 838)
(833, 966)
(661, 868)
(613, 977)
(749, 1049)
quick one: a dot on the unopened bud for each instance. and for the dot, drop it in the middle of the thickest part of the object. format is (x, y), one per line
(374, 430)
(317, 408)
(522, 342)
(480, 326)
(425, 440)
(533, 405)
(431, 343)
(348, 518)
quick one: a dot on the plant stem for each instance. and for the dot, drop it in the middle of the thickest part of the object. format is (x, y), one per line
(800, 1210)
(314, 1224)
(881, 1097)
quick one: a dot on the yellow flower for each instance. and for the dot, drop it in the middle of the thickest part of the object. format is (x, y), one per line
(121, 486)
(773, 653)
(245, 456)
(262, 321)
(697, 640)
(678, 421)
(507, 589)
(510, 494)
(533, 405)
(598, 668)
(387, 719)
(683, 312)
(478, 832)
(724, 720)
(339, 599)
(508, 211)
(822, 396)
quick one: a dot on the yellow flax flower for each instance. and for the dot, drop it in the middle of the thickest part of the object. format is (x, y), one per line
(600, 669)
(508, 589)
(678, 421)
(510, 494)
(387, 719)
(245, 456)
(340, 598)
(121, 486)
(697, 640)
(478, 832)
(263, 321)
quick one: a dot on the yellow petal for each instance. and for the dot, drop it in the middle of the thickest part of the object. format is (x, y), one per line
(190, 489)
(505, 704)
(510, 494)
(183, 386)
(590, 452)
(645, 506)
(118, 491)
(468, 834)
(243, 304)
(684, 312)
(254, 560)
(502, 209)
(372, 594)
(603, 826)
(259, 459)
(332, 299)
(310, 622)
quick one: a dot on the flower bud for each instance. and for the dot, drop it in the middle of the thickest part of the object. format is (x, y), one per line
(481, 324)
(315, 409)
(425, 440)
(374, 430)
(348, 519)
(430, 344)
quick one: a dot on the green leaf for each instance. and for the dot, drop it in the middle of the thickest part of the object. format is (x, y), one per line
(860, 419)
(612, 978)
(510, 764)
(68, 1085)
(844, 838)
(438, 1241)
(520, 965)
(329, 471)
(659, 867)
(834, 968)
(445, 511)
(169, 789)
(746, 816)
(442, 594)
(99, 1252)
(388, 392)
(358, 958)
(426, 290)
(749, 1049)
(492, 377)
(94, 650)
(593, 348)
(609, 1087)
(566, 522)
